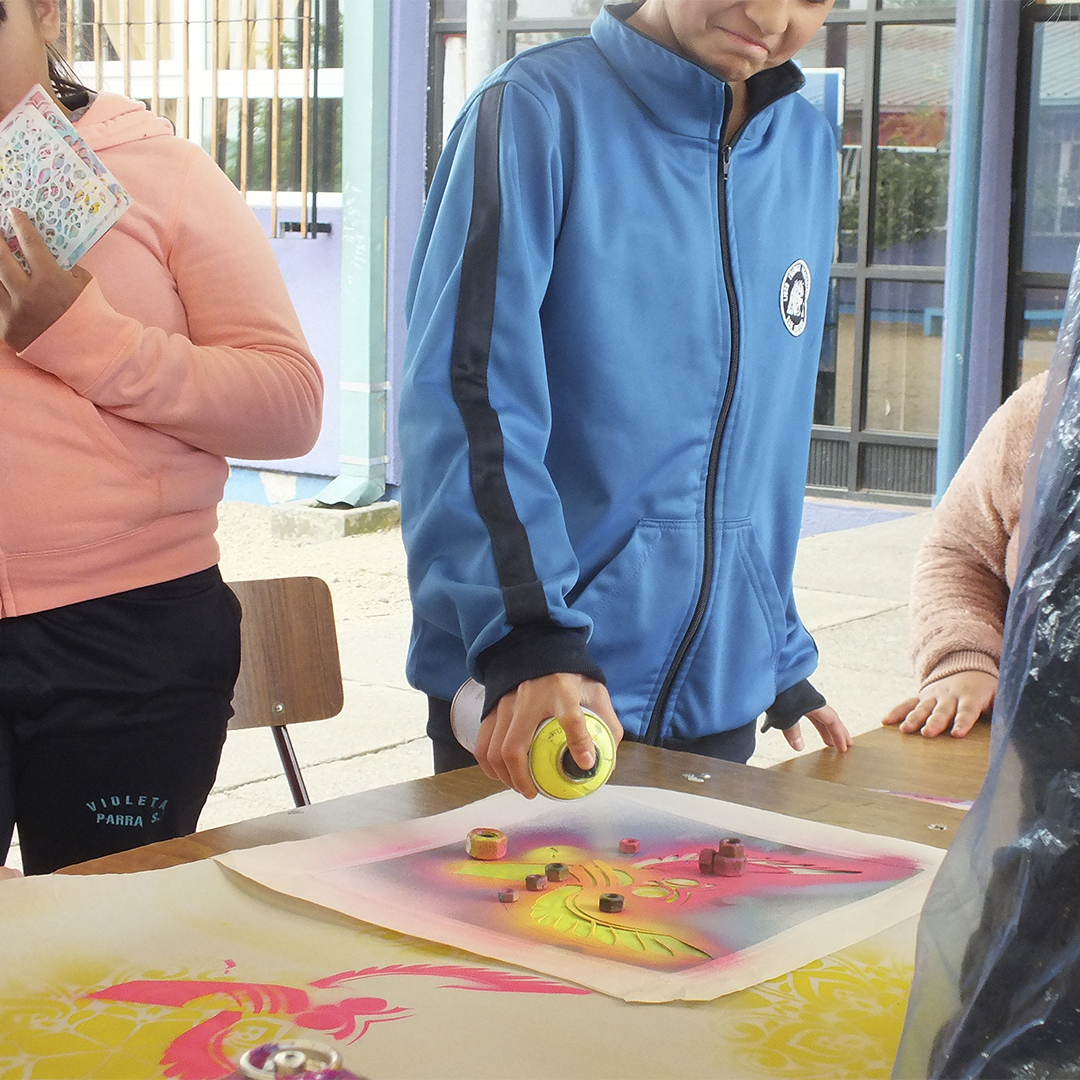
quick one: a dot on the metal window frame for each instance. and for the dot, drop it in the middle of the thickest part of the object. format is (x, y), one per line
(1020, 280)
(441, 28)
(193, 29)
(856, 439)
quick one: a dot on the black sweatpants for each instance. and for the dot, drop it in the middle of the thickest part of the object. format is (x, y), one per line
(735, 745)
(112, 718)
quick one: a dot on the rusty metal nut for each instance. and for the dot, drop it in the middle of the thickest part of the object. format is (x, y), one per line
(732, 848)
(486, 844)
(629, 846)
(536, 882)
(556, 871)
(725, 866)
(705, 860)
(507, 896)
(611, 903)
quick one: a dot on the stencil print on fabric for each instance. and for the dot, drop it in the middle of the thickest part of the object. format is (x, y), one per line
(197, 1028)
(657, 928)
(682, 932)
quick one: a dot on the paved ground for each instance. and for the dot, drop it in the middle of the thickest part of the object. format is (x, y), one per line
(851, 580)
(851, 584)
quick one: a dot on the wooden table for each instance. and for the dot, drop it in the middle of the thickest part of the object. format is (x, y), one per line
(798, 795)
(887, 760)
(221, 952)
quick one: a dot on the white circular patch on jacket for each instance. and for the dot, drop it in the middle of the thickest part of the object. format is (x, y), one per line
(794, 297)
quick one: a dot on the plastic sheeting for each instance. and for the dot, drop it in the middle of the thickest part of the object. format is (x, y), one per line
(996, 992)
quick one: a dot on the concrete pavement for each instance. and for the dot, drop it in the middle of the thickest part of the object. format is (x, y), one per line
(851, 587)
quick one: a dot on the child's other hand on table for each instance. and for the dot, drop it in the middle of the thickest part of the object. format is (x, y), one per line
(829, 725)
(955, 702)
(7, 872)
(31, 303)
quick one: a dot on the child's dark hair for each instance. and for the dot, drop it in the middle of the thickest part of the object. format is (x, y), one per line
(64, 81)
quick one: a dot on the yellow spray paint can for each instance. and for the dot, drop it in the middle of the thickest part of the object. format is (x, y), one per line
(554, 771)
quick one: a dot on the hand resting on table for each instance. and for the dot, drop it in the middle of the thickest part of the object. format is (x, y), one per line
(951, 704)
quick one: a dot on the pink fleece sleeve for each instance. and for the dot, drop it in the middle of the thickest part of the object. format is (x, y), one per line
(959, 589)
(243, 382)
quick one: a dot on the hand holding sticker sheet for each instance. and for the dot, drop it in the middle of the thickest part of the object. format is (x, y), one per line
(49, 172)
(808, 889)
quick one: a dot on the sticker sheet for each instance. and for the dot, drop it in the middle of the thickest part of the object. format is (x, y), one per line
(682, 933)
(48, 171)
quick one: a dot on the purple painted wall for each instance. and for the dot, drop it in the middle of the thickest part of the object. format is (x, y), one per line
(408, 154)
(312, 271)
(312, 267)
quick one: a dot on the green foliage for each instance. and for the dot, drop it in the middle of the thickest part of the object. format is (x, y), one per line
(328, 147)
(912, 198)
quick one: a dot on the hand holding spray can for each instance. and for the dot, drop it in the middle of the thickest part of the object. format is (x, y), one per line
(554, 771)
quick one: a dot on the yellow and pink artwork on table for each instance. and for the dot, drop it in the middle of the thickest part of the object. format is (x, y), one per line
(195, 1026)
(220, 1017)
(806, 889)
(177, 973)
(674, 918)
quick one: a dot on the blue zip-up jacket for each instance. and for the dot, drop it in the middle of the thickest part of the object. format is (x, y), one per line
(614, 328)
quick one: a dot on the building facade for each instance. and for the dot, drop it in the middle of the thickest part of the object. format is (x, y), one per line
(264, 85)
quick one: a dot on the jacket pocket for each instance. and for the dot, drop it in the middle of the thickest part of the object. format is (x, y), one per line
(729, 676)
(640, 603)
(70, 480)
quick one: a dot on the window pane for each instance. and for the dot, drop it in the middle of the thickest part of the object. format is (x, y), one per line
(453, 87)
(331, 33)
(1052, 219)
(913, 145)
(144, 31)
(839, 46)
(451, 9)
(555, 9)
(832, 402)
(232, 16)
(324, 168)
(532, 38)
(1043, 312)
(903, 380)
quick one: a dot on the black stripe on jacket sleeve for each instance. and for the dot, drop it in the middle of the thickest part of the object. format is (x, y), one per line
(523, 593)
(531, 652)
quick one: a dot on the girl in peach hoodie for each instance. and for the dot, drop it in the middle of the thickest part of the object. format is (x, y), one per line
(124, 384)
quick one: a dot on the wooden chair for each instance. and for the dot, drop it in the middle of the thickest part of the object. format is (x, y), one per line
(290, 671)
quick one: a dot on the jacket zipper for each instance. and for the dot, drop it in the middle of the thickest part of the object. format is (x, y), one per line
(656, 719)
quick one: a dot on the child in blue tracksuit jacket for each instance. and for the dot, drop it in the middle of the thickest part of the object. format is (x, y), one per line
(615, 315)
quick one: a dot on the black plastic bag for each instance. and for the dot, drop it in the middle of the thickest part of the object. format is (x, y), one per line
(996, 992)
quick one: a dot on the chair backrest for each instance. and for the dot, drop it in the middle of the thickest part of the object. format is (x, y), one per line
(290, 671)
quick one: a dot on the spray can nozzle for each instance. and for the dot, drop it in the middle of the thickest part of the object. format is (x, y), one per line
(554, 770)
(573, 771)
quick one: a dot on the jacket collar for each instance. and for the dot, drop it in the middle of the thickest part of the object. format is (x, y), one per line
(682, 96)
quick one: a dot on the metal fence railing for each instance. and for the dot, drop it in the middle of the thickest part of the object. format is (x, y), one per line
(257, 82)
